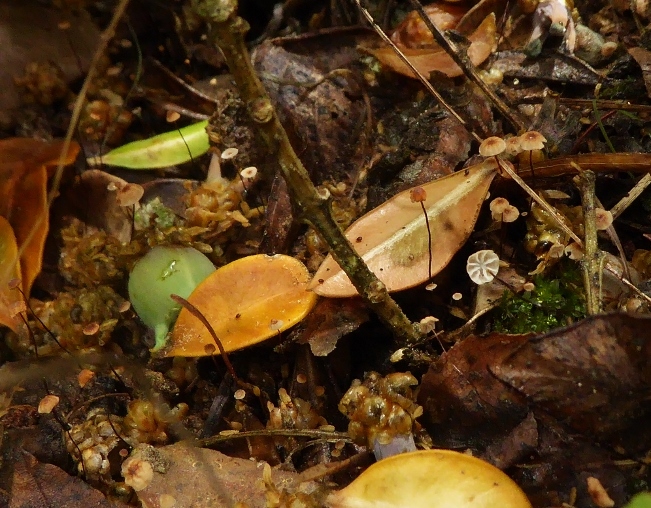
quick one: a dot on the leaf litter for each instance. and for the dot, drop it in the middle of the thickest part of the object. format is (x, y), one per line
(497, 395)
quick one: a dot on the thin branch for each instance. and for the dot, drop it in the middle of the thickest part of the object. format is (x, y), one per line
(227, 30)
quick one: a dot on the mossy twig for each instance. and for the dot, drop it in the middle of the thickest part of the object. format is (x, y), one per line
(593, 258)
(227, 30)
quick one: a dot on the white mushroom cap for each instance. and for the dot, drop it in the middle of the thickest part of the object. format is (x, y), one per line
(482, 266)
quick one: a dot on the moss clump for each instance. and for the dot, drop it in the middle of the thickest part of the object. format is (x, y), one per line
(554, 302)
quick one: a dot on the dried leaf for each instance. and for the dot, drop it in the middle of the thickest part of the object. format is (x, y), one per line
(24, 164)
(432, 479)
(412, 31)
(201, 478)
(483, 42)
(246, 302)
(393, 240)
(35, 484)
(11, 270)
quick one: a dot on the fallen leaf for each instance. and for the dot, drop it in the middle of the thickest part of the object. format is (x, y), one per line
(202, 478)
(24, 164)
(246, 302)
(592, 375)
(393, 239)
(32, 32)
(483, 42)
(9, 260)
(34, 484)
(412, 31)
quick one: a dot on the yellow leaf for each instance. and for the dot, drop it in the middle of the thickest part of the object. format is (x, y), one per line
(246, 302)
(483, 42)
(430, 479)
(393, 241)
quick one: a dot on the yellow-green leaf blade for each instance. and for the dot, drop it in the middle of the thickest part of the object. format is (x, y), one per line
(167, 149)
(393, 241)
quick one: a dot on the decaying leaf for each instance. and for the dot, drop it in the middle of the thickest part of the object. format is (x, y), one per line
(432, 479)
(24, 164)
(189, 476)
(11, 270)
(393, 239)
(483, 42)
(246, 302)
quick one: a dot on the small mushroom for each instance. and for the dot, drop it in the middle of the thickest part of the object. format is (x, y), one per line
(482, 266)
(532, 140)
(492, 146)
(603, 219)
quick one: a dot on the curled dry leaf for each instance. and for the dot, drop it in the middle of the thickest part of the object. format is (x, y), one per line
(412, 31)
(246, 302)
(24, 165)
(433, 479)
(393, 240)
(483, 42)
(10, 270)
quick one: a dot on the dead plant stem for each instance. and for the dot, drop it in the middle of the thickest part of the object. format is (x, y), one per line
(593, 258)
(227, 30)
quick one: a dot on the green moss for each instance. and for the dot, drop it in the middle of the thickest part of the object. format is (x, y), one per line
(554, 302)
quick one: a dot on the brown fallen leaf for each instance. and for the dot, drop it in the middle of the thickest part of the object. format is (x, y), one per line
(34, 485)
(200, 478)
(24, 164)
(394, 241)
(483, 42)
(593, 375)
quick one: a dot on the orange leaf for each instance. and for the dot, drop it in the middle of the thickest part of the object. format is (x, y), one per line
(483, 42)
(246, 302)
(24, 166)
(393, 240)
(10, 270)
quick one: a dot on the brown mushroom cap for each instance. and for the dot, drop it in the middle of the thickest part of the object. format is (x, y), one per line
(492, 146)
(532, 140)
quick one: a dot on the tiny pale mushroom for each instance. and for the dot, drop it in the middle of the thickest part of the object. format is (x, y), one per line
(510, 214)
(229, 153)
(532, 140)
(603, 219)
(492, 146)
(497, 207)
(482, 266)
(513, 146)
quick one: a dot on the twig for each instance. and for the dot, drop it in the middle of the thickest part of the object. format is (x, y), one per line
(460, 57)
(593, 258)
(632, 195)
(228, 30)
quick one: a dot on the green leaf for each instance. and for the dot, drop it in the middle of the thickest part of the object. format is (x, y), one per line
(642, 500)
(158, 274)
(167, 149)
